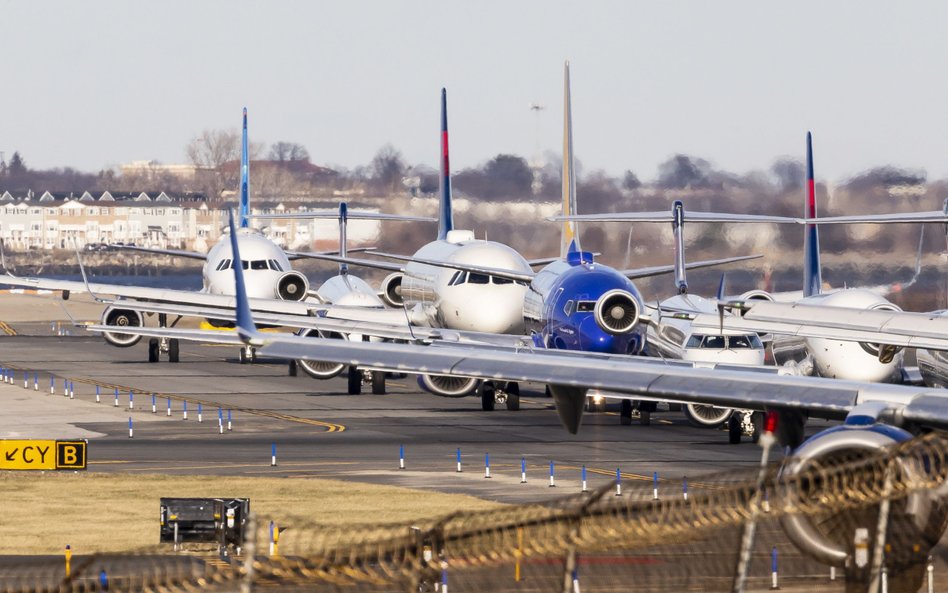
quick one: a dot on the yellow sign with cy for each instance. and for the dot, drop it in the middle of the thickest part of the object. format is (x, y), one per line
(42, 455)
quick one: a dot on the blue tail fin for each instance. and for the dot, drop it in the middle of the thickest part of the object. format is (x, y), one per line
(445, 212)
(246, 328)
(244, 178)
(812, 276)
(569, 240)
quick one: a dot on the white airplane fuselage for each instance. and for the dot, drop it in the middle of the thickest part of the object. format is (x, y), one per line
(672, 337)
(265, 267)
(460, 300)
(838, 359)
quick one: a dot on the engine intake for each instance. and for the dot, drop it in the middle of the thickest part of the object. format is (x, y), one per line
(292, 286)
(617, 312)
(756, 295)
(447, 386)
(318, 369)
(884, 352)
(121, 318)
(391, 289)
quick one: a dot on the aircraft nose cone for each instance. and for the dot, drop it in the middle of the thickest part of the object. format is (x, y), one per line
(592, 338)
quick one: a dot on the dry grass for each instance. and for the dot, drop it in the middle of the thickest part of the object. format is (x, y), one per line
(41, 513)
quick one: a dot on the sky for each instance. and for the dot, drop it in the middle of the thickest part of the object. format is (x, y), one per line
(98, 83)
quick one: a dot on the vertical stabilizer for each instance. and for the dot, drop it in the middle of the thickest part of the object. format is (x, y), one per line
(569, 241)
(343, 251)
(245, 325)
(812, 277)
(244, 178)
(678, 228)
(445, 213)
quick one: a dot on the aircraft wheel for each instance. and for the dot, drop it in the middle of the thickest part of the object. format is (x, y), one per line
(355, 381)
(734, 429)
(513, 396)
(293, 369)
(645, 417)
(174, 352)
(378, 382)
(625, 413)
(253, 355)
(487, 393)
(547, 392)
(154, 350)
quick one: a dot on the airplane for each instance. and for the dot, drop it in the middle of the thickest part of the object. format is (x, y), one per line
(275, 288)
(874, 416)
(572, 303)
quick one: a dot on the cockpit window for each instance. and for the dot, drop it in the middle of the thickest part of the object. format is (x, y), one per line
(568, 308)
(275, 265)
(714, 342)
(474, 278)
(498, 280)
(745, 342)
(586, 306)
(258, 264)
(223, 265)
(459, 278)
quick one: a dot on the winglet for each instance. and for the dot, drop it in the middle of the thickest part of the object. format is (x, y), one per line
(678, 227)
(812, 276)
(445, 213)
(85, 279)
(246, 328)
(569, 241)
(343, 218)
(244, 177)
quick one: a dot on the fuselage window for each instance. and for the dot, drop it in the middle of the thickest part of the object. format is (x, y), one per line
(585, 306)
(474, 278)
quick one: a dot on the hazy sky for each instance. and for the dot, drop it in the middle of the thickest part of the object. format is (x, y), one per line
(96, 83)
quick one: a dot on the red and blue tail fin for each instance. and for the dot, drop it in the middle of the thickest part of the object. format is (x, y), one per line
(244, 178)
(812, 276)
(445, 212)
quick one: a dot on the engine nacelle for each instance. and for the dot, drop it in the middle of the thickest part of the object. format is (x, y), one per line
(756, 295)
(704, 416)
(617, 312)
(292, 286)
(917, 519)
(315, 368)
(884, 352)
(391, 289)
(447, 386)
(121, 318)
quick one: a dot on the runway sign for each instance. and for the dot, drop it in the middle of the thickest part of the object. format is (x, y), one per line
(42, 455)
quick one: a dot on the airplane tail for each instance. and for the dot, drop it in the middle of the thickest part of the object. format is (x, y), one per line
(244, 178)
(569, 242)
(343, 252)
(445, 212)
(678, 227)
(812, 276)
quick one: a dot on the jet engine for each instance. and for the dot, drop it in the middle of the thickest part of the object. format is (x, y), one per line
(916, 521)
(704, 416)
(756, 295)
(884, 352)
(447, 386)
(617, 312)
(315, 368)
(292, 286)
(121, 318)
(391, 289)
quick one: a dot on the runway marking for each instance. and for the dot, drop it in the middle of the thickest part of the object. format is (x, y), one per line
(258, 466)
(329, 426)
(7, 329)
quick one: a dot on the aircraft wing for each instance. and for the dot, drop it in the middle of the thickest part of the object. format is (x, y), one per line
(666, 217)
(173, 252)
(899, 328)
(514, 275)
(659, 270)
(350, 214)
(353, 261)
(930, 216)
(294, 255)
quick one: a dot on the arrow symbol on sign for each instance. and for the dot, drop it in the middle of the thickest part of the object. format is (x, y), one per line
(10, 455)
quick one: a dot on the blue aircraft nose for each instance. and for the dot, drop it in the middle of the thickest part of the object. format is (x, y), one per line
(592, 338)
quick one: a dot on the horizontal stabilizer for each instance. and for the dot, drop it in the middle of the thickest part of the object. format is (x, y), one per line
(668, 269)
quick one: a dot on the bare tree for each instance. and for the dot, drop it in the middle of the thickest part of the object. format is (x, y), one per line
(288, 151)
(388, 167)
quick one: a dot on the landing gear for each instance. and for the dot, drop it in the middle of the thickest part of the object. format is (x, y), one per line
(757, 420)
(513, 396)
(378, 382)
(173, 350)
(488, 395)
(734, 429)
(625, 413)
(154, 349)
(645, 417)
(248, 354)
(293, 369)
(355, 380)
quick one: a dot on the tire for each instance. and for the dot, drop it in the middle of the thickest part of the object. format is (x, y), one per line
(293, 369)
(243, 356)
(487, 393)
(625, 413)
(513, 396)
(734, 429)
(378, 382)
(154, 350)
(355, 381)
(645, 417)
(174, 351)
(253, 355)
